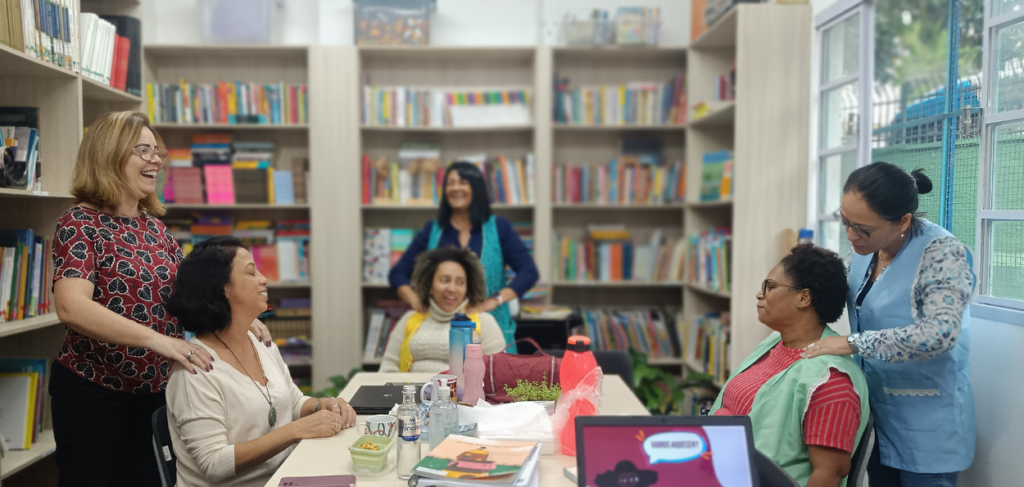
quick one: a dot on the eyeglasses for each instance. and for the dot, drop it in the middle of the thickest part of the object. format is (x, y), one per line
(856, 228)
(765, 288)
(147, 153)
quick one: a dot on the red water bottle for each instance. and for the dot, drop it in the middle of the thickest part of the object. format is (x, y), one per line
(577, 363)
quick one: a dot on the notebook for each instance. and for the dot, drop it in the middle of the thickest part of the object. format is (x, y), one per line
(696, 450)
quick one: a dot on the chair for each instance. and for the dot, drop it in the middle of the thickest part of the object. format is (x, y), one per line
(165, 459)
(859, 461)
(611, 362)
(770, 474)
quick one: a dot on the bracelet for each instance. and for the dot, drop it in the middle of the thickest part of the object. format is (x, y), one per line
(317, 407)
(499, 297)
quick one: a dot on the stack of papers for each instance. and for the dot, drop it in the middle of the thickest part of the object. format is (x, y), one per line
(463, 461)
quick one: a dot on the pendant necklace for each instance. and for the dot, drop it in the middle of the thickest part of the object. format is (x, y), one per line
(272, 415)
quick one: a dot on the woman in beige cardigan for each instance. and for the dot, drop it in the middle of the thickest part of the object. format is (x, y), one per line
(452, 281)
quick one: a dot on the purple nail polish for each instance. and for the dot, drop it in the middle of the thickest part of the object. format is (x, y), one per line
(194, 372)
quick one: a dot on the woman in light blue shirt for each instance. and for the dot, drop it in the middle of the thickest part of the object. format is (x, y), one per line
(910, 284)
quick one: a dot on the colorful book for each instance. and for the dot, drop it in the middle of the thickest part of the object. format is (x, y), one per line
(464, 457)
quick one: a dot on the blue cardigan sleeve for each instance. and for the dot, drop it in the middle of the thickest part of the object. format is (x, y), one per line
(517, 257)
(401, 273)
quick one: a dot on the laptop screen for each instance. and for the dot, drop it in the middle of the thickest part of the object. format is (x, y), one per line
(650, 455)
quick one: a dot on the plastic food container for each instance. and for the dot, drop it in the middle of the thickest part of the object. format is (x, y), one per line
(373, 461)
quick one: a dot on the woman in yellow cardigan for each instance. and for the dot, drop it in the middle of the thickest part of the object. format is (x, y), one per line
(452, 280)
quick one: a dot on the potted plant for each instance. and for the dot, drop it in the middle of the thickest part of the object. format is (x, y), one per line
(536, 391)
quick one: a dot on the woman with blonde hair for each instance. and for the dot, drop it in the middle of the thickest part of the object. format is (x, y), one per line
(450, 279)
(114, 264)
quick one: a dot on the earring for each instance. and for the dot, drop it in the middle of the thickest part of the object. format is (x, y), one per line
(799, 306)
(902, 235)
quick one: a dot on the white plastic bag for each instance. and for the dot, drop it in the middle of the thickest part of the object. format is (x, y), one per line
(585, 396)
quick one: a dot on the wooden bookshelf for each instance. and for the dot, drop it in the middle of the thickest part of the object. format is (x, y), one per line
(29, 324)
(95, 91)
(619, 128)
(617, 284)
(235, 206)
(768, 44)
(229, 126)
(17, 460)
(24, 65)
(614, 207)
(463, 130)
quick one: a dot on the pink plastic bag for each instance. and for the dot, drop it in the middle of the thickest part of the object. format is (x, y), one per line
(583, 400)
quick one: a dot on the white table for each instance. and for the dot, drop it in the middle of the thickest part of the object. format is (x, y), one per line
(330, 456)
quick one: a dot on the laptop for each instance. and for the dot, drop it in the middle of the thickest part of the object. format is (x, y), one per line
(648, 451)
(377, 399)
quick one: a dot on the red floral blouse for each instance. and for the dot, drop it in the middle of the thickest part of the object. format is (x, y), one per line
(132, 262)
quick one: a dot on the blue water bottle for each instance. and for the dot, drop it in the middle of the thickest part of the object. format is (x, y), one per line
(459, 335)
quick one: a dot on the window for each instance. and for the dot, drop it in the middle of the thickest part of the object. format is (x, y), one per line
(1000, 221)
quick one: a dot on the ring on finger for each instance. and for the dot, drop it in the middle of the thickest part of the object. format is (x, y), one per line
(336, 423)
(190, 354)
(819, 346)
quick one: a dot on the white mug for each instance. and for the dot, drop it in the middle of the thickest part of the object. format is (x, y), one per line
(435, 381)
(378, 425)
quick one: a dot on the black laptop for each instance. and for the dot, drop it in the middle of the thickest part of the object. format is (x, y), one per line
(377, 399)
(665, 450)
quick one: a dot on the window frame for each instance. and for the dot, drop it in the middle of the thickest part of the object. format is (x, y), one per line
(831, 17)
(986, 166)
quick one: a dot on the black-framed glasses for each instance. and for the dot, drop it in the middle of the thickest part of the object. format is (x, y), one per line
(147, 153)
(856, 228)
(765, 288)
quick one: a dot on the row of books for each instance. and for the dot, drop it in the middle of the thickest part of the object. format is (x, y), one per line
(111, 50)
(704, 341)
(382, 247)
(383, 319)
(227, 102)
(648, 331)
(22, 399)
(19, 133)
(420, 180)
(620, 183)
(291, 325)
(716, 176)
(403, 106)
(45, 29)
(647, 103)
(709, 259)
(280, 249)
(608, 254)
(24, 267)
(725, 85)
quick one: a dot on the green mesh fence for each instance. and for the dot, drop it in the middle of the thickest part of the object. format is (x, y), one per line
(1008, 187)
(917, 156)
(1008, 260)
(964, 216)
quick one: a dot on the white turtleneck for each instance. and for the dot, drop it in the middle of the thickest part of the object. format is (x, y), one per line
(429, 346)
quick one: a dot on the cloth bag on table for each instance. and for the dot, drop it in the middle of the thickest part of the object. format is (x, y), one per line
(501, 369)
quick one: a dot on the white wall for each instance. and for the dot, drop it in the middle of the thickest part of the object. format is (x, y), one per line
(997, 343)
(456, 22)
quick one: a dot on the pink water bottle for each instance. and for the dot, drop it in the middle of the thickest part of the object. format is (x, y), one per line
(577, 362)
(473, 369)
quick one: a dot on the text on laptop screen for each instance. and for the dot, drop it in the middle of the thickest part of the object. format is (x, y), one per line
(648, 456)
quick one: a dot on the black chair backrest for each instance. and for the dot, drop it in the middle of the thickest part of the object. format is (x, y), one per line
(611, 362)
(165, 459)
(859, 461)
(770, 474)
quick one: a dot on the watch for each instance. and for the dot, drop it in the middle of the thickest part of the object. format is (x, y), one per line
(851, 341)
(499, 297)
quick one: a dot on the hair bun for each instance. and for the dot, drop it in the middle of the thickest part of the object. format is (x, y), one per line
(924, 183)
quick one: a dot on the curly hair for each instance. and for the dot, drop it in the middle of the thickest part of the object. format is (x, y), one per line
(428, 262)
(821, 272)
(198, 299)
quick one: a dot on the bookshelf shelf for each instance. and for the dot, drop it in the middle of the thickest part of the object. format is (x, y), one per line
(93, 90)
(432, 208)
(25, 193)
(665, 361)
(561, 127)
(614, 284)
(448, 54)
(229, 126)
(21, 326)
(495, 128)
(723, 113)
(709, 204)
(200, 51)
(721, 34)
(14, 63)
(606, 207)
(17, 460)
(236, 206)
(707, 291)
(376, 285)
